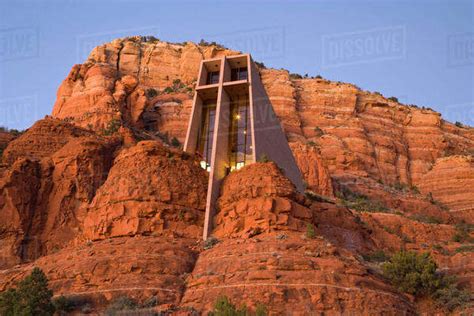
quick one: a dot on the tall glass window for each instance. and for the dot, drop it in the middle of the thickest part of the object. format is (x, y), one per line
(212, 77)
(238, 73)
(206, 134)
(240, 138)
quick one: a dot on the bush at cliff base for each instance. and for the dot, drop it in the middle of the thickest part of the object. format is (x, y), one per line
(417, 274)
(31, 297)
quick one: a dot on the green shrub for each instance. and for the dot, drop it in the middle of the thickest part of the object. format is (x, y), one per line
(311, 143)
(403, 187)
(16, 132)
(31, 297)
(63, 305)
(175, 142)
(122, 303)
(112, 127)
(150, 302)
(310, 232)
(459, 124)
(416, 274)
(449, 296)
(151, 93)
(178, 85)
(203, 42)
(360, 202)
(426, 219)
(163, 136)
(319, 132)
(264, 158)
(441, 250)
(319, 77)
(224, 307)
(376, 256)
(394, 99)
(210, 242)
(412, 273)
(415, 189)
(295, 76)
(168, 90)
(465, 248)
(463, 233)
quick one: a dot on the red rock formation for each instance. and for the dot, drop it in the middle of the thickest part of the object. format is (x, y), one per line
(5, 138)
(107, 216)
(95, 272)
(451, 181)
(55, 170)
(18, 200)
(42, 139)
(259, 199)
(290, 273)
(115, 81)
(351, 131)
(150, 190)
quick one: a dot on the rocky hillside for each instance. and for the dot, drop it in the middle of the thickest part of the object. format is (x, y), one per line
(103, 200)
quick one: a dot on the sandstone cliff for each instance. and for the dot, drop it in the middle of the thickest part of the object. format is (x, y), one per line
(97, 197)
(333, 127)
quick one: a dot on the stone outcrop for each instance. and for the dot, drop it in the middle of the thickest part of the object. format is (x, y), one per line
(150, 190)
(451, 181)
(55, 170)
(93, 273)
(41, 140)
(120, 80)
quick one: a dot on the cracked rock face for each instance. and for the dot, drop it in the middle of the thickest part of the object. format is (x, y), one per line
(150, 190)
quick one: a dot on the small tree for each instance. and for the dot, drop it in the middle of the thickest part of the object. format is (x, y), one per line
(31, 297)
(412, 273)
(416, 274)
(122, 303)
(224, 307)
(63, 305)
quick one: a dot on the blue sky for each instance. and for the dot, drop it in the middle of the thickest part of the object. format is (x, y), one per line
(419, 51)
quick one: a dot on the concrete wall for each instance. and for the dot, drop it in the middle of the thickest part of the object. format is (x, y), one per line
(193, 125)
(219, 158)
(269, 138)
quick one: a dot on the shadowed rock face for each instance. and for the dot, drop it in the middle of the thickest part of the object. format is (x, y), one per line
(55, 171)
(108, 211)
